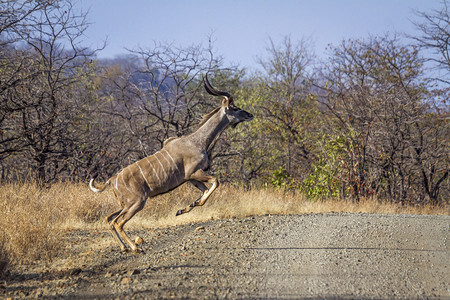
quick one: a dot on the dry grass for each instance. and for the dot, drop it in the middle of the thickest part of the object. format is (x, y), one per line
(228, 202)
(34, 219)
(27, 224)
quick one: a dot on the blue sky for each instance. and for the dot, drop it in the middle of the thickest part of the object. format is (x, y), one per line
(241, 29)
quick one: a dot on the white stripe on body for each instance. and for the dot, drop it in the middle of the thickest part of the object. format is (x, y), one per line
(164, 170)
(117, 179)
(117, 182)
(142, 173)
(154, 171)
(129, 189)
(176, 167)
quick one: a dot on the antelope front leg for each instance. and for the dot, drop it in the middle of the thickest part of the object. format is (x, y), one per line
(198, 179)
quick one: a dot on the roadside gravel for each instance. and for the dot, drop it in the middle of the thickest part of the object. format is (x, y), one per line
(337, 256)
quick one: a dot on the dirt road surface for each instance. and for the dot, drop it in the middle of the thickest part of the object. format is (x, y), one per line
(336, 256)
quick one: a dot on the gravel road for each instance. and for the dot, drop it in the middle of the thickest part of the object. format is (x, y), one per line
(337, 256)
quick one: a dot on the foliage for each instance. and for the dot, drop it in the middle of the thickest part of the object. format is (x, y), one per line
(324, 180)
(380, 102)
(282, 180)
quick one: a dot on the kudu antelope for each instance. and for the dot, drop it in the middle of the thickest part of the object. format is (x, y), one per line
(180, 160)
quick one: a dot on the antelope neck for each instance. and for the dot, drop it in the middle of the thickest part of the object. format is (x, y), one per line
(211, 130)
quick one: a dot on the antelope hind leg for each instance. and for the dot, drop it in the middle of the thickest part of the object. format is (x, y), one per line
(124, 217)
(114, 231)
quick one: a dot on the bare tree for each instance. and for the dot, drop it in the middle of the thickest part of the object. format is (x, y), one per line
(49, 60)
(172, 94)
(13, 12)
(435, 28)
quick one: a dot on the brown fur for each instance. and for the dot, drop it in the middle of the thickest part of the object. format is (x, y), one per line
(180, 160)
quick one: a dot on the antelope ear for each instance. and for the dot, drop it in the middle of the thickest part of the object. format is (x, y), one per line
(227, 101)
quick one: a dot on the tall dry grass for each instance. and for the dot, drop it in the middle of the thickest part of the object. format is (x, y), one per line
(34, 219)
(28, 223)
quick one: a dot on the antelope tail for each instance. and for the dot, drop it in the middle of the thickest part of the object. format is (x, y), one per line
(98, 189)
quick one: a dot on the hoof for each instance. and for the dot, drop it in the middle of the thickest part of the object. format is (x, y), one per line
(139, 251)
(179, 213)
